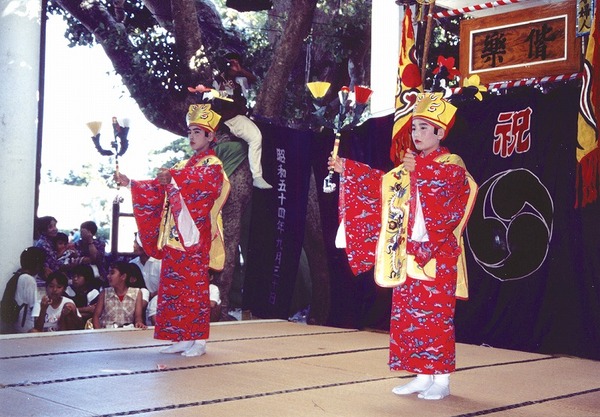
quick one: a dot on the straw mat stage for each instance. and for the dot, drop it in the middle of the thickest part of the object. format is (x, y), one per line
(275, 368)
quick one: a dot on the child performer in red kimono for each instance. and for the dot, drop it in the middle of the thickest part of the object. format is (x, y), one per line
(178, 215)
(408, 225)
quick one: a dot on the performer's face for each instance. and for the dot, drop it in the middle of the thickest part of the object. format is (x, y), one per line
(426, 136)
(199, 138)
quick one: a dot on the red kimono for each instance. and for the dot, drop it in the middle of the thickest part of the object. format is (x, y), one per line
(382, 219)
(179, 223)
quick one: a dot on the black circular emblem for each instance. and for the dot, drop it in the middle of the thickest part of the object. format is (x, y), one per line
(510, 227)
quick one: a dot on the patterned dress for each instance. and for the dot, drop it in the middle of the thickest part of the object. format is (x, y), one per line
(422, 318)
(180, 224)
(45, 243)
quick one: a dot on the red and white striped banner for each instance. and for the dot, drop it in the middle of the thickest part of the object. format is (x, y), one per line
(534, 81)
(474, 8)
(503, 85)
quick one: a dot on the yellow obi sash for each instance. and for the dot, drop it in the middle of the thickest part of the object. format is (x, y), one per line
(392, 264)
(168, 234)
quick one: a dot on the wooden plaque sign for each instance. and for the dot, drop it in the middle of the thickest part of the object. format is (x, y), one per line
(533, 42)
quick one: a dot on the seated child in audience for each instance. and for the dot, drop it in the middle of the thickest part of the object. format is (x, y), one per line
(149, 266)
(23, 292)
(135, 279)
(83, 290)
(55, 311)
(119, 305)
(92, 249)
(66, 254)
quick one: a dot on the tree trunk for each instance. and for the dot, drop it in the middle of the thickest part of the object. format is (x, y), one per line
(188, 38)
(240, 196)
(271, 97)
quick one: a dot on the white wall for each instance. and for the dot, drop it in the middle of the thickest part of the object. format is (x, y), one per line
(386, 24)
(19, 69)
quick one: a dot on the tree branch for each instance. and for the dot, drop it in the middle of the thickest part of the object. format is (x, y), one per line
(143, 87)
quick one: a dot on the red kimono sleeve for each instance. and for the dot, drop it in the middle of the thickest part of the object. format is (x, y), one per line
(444, 193)
(148, 198)
(360, 213)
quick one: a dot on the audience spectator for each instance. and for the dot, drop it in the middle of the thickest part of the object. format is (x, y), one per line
(66, 254)
(151, 311)
(118, 305)
(135, 279)
(55, 311)
(84, 290)
(215, 302)
(74, 235)
(46, 230)
(20, 295)
(149, 266)
(92, 249)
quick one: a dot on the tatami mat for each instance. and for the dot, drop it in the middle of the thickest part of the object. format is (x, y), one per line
(275, 368)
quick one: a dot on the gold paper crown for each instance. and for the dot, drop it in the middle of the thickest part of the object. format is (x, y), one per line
(201, 115)
(433, 108)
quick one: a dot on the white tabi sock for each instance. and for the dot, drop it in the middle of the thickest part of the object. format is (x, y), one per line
(197, 349)
(178, 347)
(419, 384)
(259, 182)
(439, 389)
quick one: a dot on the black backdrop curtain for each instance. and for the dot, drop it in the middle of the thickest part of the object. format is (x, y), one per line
(533, 258)
(277, 227)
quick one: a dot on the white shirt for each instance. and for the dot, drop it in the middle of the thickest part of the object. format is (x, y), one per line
(215, 294)
(150, 272)
(52, 314)
(145, 294)
(26, 293)
(91, 295)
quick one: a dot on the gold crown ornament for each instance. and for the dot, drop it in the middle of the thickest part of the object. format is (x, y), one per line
(201, 115)
(433, 108)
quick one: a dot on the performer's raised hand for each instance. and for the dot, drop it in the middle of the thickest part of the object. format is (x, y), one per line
(409, 161)
(121, 179)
